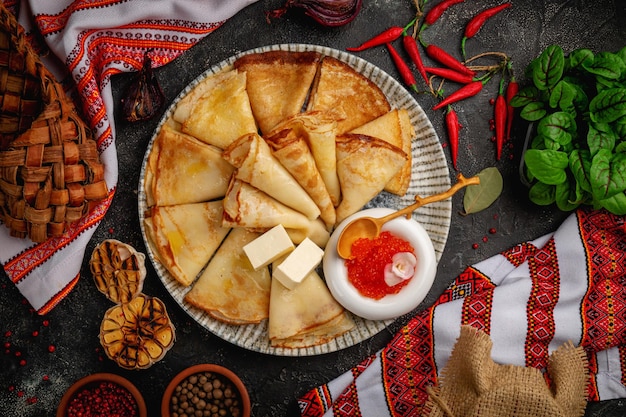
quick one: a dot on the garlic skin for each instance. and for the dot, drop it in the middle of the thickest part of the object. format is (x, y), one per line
(401, 268)
(325, 12)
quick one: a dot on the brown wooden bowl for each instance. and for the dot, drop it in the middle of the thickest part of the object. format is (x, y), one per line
(198, 369)
(92, 381)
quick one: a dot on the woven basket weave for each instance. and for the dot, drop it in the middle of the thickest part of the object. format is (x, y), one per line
(50, 169)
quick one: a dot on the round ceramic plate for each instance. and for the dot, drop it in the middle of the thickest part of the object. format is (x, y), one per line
(429, 175)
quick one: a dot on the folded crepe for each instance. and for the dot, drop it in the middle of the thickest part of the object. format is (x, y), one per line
(365, 165)
(306, 316)
(182, 170)
(395, 128)
(247, 206)
(349, 96)
(185, 237)
(229, 289)
(219, 115)
(317, 231)
(256, 165)
(318, 128)
(278, 83)
(292, 151)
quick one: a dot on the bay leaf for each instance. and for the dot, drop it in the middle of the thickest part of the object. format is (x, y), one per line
(479, 197)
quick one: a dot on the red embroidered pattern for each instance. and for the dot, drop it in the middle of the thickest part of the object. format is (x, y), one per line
(518, 254)
(544, 294)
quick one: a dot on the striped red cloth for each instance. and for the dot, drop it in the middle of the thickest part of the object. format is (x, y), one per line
(569, 285)
(85, 42)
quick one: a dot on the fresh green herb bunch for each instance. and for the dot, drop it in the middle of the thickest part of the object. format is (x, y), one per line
(578, 105)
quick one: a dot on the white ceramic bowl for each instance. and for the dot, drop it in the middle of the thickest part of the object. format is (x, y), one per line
(393, 305)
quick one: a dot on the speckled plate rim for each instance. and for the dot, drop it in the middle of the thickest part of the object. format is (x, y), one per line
(430, 175)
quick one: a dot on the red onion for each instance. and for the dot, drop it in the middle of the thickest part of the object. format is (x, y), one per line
(325, 12)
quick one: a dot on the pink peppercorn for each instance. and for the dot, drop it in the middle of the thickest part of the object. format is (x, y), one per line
(104, 399)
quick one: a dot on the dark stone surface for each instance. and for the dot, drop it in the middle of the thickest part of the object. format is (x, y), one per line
(276, 382)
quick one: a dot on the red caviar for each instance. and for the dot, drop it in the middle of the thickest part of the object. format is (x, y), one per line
(366, 268)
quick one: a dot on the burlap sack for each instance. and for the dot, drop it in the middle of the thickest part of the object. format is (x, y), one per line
(472, 384)
(50, 170)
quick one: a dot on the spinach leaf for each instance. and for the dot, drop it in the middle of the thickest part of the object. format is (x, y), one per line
(546, 165)
(549, 68)
(608, 174)
(542, 194)
(608, 106)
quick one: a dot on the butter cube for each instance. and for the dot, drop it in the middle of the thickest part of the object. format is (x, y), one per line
(298, 264)
(268, 247)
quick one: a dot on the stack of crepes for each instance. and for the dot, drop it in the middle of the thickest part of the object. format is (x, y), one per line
(95, 41)
(567, 287)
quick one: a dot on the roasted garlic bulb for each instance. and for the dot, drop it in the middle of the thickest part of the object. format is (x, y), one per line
(118, 270)
(137, 334)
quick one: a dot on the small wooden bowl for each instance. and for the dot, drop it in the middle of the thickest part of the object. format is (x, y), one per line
(93, 380)
(197, 369)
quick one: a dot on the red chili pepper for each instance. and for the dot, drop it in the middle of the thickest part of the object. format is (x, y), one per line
(447, 60)
(474, 25)
(436, 12)
(499, 115)
(511, 90)
(451, 75)
(403, 68)
(468, 90)
(412, 49)
(453, 126)
(382, 38)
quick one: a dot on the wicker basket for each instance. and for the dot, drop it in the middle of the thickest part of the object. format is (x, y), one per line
(50, 170)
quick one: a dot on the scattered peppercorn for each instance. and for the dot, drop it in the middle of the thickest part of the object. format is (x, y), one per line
(492, 230)
(475, 246)
(51, 348)
(485, 239)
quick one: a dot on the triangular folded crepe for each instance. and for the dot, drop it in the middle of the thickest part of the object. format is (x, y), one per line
(292, 151)
(394, 127)
(365, 165)
(352, 98)
(182, 170)
(229, 289)
(185, 237)
(319, 130)
(306, 316)
(278, 83)
(247, 206)
(256, 165)
(222, 113)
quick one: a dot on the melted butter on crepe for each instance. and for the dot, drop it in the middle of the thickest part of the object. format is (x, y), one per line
(229, 289)
(318, 128)
(365, 165)
(186, 236)
(306, 316)
(278, 83)
(395, 128)
(293, 152)
(184, 170)
(352, 98)
(256, 165)
(222, 113)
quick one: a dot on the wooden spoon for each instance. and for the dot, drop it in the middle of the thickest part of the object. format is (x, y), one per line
(369, 227)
